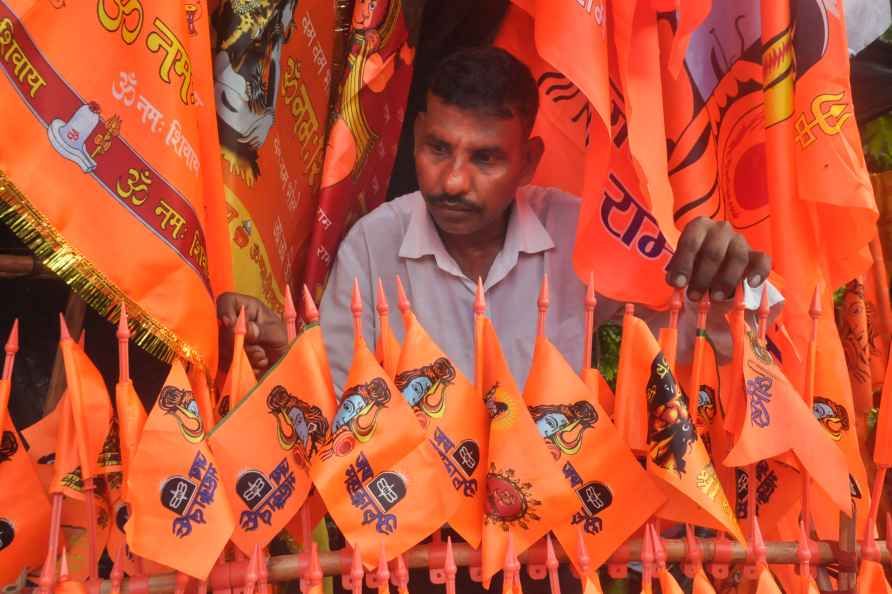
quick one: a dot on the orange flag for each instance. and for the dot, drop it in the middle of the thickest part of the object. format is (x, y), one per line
(879, 313)
(834, 409)
(387, 347)
(702, 585)
(286, 417)
(777, 420)
(131, 419)
(882, 449)
(872, 578)
(455, 421)
(857, 331)
(181, 516)
(630, 408)
(675, 453)
(67, 477)
(91, 408)
(24, 507)
(615, 494)
(526, 492)
(766, 583)
(591, 585)
(372, 430)
(668, 584)
(240, 377)
(599, 388)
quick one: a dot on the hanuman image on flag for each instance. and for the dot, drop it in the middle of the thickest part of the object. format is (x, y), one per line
(670, 432)
(299, 425)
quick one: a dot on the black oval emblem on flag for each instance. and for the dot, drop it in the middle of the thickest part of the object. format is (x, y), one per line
(176, 494)
(595, 496)
(7, 533)
(252, 487)
(388, 488)
(467, 454)
(122, 514)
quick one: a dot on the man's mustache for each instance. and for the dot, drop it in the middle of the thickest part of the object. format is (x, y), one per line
(453, 201)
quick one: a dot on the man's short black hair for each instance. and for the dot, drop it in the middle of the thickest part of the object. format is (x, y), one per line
(488, 79)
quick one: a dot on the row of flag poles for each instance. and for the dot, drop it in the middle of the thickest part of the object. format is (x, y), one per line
(412, 445)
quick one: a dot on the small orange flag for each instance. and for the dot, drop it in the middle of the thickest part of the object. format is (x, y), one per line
(882, 450)
(131, 419)
(286, 418)
(240, 377)
(675, 453)
(591, 585)
(702, 585)
(454, 419)
(668, 584)
(857, 331)
(181, 516)
(387, 347)
(777, 420)
(66, 465)
(615, 495)
(91, 407)
(527, 494)
(373, 429)
(835, 410)
(872, 578)
(766, 583)
(600, 389)
(630, 408)
(24, 507)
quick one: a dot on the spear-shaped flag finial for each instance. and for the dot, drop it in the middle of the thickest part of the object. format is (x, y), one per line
(311, 312)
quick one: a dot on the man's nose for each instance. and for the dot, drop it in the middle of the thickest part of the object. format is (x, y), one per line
(458, 180)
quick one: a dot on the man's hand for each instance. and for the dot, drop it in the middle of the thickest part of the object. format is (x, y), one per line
(266, 338)
(712, 257)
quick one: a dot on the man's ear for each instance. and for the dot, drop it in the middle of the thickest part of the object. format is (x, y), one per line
(534, 149)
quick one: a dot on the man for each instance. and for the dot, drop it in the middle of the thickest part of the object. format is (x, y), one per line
(474, 216)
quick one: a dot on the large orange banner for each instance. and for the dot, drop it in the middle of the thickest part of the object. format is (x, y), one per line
(272, 82)
(106, 124)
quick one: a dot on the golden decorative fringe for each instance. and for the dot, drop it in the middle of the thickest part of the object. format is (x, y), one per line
(51, 248)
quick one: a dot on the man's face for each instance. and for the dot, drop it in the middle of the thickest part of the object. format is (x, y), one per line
(470, 164)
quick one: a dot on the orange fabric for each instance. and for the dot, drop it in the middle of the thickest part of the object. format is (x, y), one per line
(25, 515)
(630, 408)
(882, 449)
(702, 585)
(872, 578)
(69, 586)
(180, 513)
(456, 422)
(669, 345)
(373, 430)
(67, 477)
(91, 407)
(131, 419)
(526, 492)
(857, 328)
(42, 437)
(239, 381)
(615, 494)
(766, 583)
(834, 409)
(387, 348)
(778, 420)
(267, 483)
(668, 584)
(675, 453)
(591, 584)
(137, 156)
(202, 392)
(75, 535)
(878, 318)
(600, 389)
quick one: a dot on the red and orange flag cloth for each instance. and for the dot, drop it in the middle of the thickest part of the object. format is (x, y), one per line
(654, 409)
(455, 421)
(286, 419)
(120, 131)
(777, 421)
(131, 419)
(24, 507)
(882, 449)
(180, 512)
(615, 495)
(527, 494)
(357, 471)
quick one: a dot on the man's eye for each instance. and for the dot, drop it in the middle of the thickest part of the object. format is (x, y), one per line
(485, 158)
(438, 148)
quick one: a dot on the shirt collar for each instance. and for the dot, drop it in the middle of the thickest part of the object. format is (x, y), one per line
(525, 234)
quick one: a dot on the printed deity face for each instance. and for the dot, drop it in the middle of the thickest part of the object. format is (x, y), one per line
(416, 390)
(181, 404)
(551, 423)
(351, 407)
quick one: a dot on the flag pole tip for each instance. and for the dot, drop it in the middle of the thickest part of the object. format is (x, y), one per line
(402, 300)
(290, 310)
(479, 299)
(12, 343)
(356, 301)
(311, 312)
(382, 306)
(63, 328)
(543, 300)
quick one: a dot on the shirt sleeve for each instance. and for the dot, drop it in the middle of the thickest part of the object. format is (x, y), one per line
(352, 262)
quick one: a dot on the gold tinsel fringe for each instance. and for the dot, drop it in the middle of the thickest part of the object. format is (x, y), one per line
(50, 247)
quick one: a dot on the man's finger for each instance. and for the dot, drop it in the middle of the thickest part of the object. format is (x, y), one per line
(758, 268)
(681, 266)
(732, 270)
(709, 259)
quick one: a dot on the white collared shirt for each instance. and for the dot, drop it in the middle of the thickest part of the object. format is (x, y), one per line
(399, 237)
